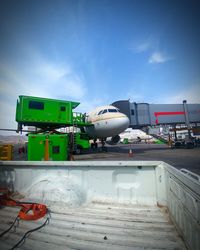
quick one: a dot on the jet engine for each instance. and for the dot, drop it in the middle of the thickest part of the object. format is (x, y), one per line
(113, 140)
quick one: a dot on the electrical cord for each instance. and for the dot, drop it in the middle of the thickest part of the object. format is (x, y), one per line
(28, 232)
(11, 226)
(31, 231)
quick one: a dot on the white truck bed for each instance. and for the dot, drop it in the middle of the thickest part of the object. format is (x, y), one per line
(97, 226)
(79, 194)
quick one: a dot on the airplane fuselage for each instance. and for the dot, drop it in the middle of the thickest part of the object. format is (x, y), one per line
(107, 121)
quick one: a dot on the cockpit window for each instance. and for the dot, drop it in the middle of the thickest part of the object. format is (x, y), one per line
(112, 110)
(105, 111)
(108, 110)
(100, 112)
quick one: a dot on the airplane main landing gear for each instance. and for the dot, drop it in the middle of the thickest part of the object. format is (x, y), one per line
(94, 145)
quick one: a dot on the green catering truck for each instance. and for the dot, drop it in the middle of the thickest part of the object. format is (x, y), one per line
(44, 112)
(81, 142)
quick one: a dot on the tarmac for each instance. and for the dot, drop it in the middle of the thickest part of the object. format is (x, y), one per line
(178, 158)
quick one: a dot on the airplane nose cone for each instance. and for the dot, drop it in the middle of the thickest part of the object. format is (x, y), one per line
(113, 124)
(124, 122)
(119, 124)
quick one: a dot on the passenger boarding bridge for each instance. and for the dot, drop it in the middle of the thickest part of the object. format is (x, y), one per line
(144, 114)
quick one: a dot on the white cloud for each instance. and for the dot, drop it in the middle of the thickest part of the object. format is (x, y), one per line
(52, 71)
(42, 79)
(142, 47)
(151, 45)
(191, 94)
(61, 80)
(7, 115)
(38, 77)
(158, 57)
(134, 96)
(87, 106)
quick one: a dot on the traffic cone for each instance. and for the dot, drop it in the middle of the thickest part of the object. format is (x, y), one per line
(130, 153)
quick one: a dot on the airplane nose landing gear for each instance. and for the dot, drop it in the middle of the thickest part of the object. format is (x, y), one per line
(103, 147)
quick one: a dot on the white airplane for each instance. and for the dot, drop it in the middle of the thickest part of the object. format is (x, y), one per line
(107, 121)
(134, 135)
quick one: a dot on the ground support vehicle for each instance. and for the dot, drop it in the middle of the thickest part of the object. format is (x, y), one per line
(48, 116)
(81, 142)
(191, 143)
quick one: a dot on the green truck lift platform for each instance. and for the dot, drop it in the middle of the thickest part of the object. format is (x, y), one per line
(47, 113)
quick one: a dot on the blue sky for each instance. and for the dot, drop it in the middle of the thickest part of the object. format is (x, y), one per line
(98, 52)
